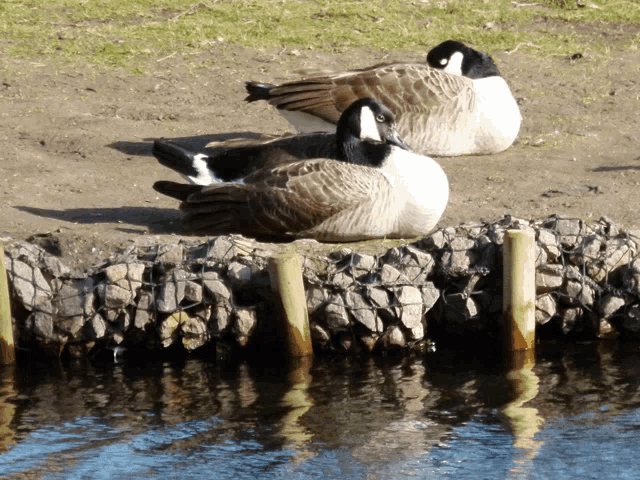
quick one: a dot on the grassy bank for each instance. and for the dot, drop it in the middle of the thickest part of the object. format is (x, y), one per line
(126, 32)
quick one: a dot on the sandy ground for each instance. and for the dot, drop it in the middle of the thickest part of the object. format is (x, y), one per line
(76, 168)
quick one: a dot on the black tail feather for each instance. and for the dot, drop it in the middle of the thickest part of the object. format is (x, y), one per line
(258, 91)
(179, 191)
(174, 157)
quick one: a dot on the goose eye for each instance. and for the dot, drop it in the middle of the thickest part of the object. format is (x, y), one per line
(444, 61)
(380, 118)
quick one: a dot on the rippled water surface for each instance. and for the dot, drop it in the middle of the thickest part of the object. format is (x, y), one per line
(575, 414)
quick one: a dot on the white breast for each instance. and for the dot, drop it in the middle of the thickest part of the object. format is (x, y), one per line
(496, 112)
(420, 188)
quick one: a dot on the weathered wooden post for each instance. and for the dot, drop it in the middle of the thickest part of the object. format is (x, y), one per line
(7, 349)
(285, 273)
(519, 291)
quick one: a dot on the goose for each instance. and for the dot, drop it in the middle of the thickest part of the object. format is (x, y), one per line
(455, 104)
(376, 188)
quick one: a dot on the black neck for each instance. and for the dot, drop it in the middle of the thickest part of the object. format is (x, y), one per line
(362, 152)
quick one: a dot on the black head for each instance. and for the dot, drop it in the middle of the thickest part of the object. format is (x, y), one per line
(455, 57)
(366, 133)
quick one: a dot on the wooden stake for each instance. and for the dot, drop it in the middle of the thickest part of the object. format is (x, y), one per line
(285, 273)
(7, 349)
(519, 291)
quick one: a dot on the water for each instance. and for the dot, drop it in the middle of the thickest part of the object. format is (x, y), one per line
(446, 415)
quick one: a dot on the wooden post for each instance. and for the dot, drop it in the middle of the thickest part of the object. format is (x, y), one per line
(285, 274)
(7, 349)
(519, 291)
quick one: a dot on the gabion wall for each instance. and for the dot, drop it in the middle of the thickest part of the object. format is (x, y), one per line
(444, 287)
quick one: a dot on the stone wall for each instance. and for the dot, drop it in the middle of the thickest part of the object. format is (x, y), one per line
(446, 287)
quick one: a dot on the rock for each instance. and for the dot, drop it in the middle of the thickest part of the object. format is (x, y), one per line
(419, 258)
(43, 326)
(610, 304)
(220, 318)
(342, 280)
(631, 277)
(336, 314)
(144, 312)
(369, 341)
(345, 342)
(75, 297)
(570, 320)
(221, 248)
(169, 330)
(389, 275)
(126, 275)
(458, 309)
(113, 296)
(631, 319)
(71, 325)
(416, 333)
(239, 275)
(169, 256)
(605, 329)
(170, 295)
(316, 297)
(437, 239)
(546, 308)
(363, 262)
(379, 298)
(30, 286)
(579, 293)
(548, 241)
(618, 252)
(96, 327)
(549, 277)
(459, 257)
(120, 320)
(410, 310)
(341, 254)
(194, 333)
(361, 311)
(569, 231)
(319, 336)
(245, 321)
(393, 339)
(192, 292)
(541, 256)
(55, 266)
(430, 295)
(216, 288)
(587, 251)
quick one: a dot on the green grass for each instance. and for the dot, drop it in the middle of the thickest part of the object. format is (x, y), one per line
(127, 32)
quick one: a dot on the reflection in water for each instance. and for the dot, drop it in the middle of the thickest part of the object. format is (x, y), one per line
(524, 421)
(7, 409)
(441, 415)
(296, 402)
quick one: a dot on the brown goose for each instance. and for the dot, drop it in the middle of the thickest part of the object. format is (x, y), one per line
(376, 189)
(456, 104)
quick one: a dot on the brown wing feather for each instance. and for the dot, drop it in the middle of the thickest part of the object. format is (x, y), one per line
(282, 201)
(404, 88)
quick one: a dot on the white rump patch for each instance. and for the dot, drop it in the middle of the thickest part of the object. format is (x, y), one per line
(455, 64)
(368, 126)
(204, 176)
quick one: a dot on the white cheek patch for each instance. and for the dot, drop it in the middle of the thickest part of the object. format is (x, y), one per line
(368, 126)
(455, 64)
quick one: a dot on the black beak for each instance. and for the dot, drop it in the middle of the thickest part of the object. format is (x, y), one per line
(395, 139)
